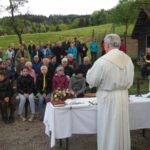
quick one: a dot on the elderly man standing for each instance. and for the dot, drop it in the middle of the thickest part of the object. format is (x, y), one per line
(112, 74)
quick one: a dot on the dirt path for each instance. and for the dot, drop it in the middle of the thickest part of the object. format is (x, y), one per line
(31, 136)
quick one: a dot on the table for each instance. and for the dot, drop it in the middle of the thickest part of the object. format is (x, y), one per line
(62, 122)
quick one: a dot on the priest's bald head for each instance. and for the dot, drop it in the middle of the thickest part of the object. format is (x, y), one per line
(111, 41)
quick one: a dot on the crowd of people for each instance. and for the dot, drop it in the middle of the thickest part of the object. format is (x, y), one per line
(31, 71)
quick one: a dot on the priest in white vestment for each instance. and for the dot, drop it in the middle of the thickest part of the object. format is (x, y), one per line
(113, 75)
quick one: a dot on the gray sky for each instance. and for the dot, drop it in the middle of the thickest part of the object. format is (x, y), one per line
(64, 7)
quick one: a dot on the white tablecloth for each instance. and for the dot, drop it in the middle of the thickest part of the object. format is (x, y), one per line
(62, 122)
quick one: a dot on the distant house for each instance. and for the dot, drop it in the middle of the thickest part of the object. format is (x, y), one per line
(141, 31)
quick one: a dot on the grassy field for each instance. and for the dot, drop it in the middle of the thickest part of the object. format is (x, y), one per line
(85, 32)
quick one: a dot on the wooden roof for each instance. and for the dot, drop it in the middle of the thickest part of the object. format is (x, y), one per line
(143, 17)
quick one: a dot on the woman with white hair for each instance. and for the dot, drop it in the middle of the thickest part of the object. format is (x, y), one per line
(60, 80)
(67, 69)
(31, 70)
(44, 89)
(112, 74)
(71, 62)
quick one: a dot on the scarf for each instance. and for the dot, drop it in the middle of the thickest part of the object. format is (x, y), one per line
(44, 82)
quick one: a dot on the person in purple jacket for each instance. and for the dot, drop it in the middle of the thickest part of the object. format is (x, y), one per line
(60, 80)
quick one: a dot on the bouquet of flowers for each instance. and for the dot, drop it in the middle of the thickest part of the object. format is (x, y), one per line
(59, 96)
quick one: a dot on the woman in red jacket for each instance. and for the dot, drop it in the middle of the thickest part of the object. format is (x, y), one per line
(60, 80)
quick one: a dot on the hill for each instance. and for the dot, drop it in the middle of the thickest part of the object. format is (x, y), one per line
(85, 32)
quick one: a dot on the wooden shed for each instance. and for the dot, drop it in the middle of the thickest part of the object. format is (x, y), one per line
(141, 31)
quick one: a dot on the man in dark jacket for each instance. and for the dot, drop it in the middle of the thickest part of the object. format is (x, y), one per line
(5, 99)
(83, 50)
(31, 49)
(25, 86)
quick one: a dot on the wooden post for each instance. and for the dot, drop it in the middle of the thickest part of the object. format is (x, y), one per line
(138, 87)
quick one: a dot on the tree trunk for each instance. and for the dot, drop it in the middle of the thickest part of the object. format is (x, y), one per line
(20, 38)
(14, 22)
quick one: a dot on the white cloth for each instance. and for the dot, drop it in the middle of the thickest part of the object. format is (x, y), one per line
(139, 112)
(49, 124)
(112, 80)
(83, 120)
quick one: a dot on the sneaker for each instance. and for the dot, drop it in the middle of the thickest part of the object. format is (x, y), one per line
(22, 118)
(31, 118)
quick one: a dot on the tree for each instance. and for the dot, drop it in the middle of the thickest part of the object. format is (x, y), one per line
(142, 3)
(125, 14)
(13, 8)
(98, 17)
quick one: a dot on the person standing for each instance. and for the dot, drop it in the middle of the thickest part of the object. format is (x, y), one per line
(113, 75)
(73, 50)
(31, 49)
(83, 49)
(93, 50)
(123, 46)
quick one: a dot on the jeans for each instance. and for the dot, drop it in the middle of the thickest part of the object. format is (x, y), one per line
(40, 104)
(22, 103)
(93, 57)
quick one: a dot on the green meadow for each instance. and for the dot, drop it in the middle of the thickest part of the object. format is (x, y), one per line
(85, 33)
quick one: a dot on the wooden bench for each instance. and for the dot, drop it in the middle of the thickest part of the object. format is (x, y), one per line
(90, 95)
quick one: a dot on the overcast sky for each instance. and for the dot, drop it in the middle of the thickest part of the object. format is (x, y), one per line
(64, 7)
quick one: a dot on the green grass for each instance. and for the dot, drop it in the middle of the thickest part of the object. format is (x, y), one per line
(85, 32)
(144, 83)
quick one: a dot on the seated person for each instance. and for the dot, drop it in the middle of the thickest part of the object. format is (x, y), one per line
(25, 86)
(36, 64)
(71, 62)
(54, 63)
(44, 89)
(5, 99)
(78, 84)
(31, 70)
(60, 80)
(85, 66)
(67, 69)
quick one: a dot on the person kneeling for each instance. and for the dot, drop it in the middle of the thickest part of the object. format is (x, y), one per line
(5, 99)
(25, 86)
